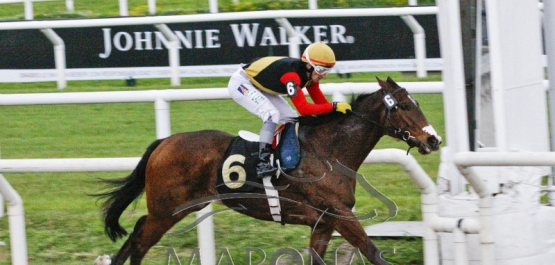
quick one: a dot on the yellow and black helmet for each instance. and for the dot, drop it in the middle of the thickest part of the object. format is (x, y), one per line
(320, 56)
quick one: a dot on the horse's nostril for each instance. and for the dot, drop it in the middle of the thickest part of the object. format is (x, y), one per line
(433, 141)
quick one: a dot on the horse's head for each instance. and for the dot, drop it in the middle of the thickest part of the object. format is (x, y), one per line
(403, 119)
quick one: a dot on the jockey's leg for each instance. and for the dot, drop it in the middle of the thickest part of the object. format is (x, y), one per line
(287, 114)
(264, 166)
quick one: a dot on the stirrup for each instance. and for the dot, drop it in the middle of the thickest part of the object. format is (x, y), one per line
(264, 169)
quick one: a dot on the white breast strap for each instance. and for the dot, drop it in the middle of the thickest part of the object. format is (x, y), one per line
(273, 199)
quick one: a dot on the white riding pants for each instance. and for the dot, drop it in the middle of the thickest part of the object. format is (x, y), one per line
(264, 105)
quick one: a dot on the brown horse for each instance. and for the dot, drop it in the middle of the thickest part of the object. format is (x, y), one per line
(181, 169)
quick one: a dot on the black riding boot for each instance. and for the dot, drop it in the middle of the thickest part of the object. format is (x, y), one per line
(264, 167)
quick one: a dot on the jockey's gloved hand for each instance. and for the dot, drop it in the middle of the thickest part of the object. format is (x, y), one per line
(342, 107)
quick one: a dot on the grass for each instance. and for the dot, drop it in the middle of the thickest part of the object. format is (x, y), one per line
(64, 224)
(101, 8)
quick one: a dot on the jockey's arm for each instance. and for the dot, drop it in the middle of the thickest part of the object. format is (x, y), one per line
(316, 94)
(292, 81)
(306, 108)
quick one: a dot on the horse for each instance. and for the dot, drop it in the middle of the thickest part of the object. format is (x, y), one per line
(181, 170)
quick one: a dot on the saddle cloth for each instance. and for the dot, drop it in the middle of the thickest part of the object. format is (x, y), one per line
(237, 171)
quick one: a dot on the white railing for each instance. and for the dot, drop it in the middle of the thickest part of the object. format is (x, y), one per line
(188, 94)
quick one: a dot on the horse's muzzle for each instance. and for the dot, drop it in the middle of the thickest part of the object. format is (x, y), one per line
(433, 142)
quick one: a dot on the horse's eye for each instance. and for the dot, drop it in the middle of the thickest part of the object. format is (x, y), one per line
(404, 106)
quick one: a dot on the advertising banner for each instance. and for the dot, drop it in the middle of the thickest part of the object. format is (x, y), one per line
(361, 44)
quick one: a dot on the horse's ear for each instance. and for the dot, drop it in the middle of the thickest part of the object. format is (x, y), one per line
(385, 85)
(391, 82)
(381, 82)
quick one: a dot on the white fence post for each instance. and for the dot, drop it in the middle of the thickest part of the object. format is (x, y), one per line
(173, 53)
(162, 114)
(16, 219)
(70, 7)
(28, 5)
(449, 26)
(549, 24)
(292, 37)
(419, 45)
(205, 231)
(123, 9)
(312, 4)
(152, 7)
(213, 6)
(59, 55)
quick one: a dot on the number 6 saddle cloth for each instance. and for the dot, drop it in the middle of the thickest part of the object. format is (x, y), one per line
(237, 171)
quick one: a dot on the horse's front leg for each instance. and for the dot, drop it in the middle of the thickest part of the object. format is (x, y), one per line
(319, 240)
(352, 231)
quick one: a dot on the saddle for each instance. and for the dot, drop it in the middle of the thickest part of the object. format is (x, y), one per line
(237, 171)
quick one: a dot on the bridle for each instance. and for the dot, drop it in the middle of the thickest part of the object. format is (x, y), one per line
(391, 104)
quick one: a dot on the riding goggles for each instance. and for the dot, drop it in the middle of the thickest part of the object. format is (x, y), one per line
(321, 70)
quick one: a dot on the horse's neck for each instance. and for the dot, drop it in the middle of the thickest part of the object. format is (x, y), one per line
(347, 140)
(360, 137)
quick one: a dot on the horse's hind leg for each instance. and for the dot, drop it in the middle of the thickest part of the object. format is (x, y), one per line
(149, 234)
(125, 250)
(319, 241)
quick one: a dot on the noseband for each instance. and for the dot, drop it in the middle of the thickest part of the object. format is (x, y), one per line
(391, 104)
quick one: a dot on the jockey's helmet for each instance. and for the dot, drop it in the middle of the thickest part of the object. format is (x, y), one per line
(320, 56)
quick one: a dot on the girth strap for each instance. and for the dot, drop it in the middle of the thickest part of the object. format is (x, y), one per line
(273, 199)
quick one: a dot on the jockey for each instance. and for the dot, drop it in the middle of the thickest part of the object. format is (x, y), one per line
(258, 87)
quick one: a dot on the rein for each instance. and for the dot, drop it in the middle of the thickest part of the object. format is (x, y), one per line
(391, 104)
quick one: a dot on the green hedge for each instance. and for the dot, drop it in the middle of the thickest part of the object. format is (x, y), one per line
(241, 5)
(322, 4)
(298, 4)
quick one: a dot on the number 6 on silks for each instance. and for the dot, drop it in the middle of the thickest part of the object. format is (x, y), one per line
(291, 89)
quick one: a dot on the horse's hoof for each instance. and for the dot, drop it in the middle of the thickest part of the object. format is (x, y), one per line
(103, 260)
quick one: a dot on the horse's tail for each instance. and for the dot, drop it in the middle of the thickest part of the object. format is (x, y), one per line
(127, 190)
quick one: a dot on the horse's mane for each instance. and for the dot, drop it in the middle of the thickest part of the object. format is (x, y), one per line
(328, 117)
